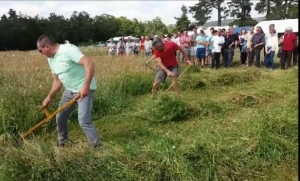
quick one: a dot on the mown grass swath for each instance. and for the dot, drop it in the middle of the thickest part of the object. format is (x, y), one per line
(237, 124)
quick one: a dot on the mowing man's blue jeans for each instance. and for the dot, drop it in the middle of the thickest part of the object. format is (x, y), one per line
(84, 117)
(269, 59)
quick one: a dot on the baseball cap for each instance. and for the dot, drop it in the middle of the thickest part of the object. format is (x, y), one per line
(288, 28)
(155, 36)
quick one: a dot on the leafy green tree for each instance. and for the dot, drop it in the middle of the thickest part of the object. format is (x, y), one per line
(240, 11)
(171, 29)
(155, 27)
(278, 9)
(20, 32)
(203, 9)
(138, 28)
(104, 27)
(183, 21)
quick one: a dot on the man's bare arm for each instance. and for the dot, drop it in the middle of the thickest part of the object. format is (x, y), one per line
(152, 58)
(56, 86)
(89, 68)
(161, 65)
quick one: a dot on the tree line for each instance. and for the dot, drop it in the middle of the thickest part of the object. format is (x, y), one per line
(20, 32)
(239, 10)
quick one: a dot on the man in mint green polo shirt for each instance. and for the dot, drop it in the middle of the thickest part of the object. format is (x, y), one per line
(75, 71)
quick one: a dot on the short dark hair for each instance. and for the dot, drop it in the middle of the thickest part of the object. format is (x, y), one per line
(157, 43)
(214, 31)
(44, 39)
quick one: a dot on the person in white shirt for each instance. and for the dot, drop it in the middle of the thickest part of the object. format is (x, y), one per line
(271, 49)
(176, 39)
(268, 35)
(217, 43)
(148, 47)
(136, 46)
(129, 47)
(121, 47)
(111, 48)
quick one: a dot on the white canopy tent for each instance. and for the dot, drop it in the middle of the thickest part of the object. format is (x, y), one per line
(126, 38)
(280, 25)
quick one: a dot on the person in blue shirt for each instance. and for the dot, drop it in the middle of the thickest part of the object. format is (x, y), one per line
(201, 47)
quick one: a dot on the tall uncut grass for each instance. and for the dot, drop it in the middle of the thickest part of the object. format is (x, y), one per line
(237, 124)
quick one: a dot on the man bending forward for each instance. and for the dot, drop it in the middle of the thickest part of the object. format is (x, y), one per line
(75, 71)
(167, 63)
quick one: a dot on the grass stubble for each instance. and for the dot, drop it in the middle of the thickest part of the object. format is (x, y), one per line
(237, 124)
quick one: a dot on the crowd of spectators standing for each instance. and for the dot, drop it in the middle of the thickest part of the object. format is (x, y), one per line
(218, 48)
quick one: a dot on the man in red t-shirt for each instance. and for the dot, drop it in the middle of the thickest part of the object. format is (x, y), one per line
(289, 42)
(167, 63)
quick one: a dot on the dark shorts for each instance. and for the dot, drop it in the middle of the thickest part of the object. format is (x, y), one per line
(200, 53)
(162, 75)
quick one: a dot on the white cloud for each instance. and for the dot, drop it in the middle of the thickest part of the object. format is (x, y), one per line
(51, 4)
(142, 10)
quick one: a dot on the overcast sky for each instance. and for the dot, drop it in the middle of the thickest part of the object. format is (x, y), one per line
(142, 10)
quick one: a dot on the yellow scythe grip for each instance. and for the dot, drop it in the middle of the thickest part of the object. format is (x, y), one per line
(49, 116)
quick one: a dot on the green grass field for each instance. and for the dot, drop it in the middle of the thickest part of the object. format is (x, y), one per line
(238, 124)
